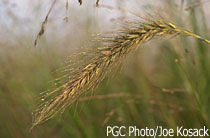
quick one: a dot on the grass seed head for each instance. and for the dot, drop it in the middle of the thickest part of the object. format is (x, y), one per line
(112, 51)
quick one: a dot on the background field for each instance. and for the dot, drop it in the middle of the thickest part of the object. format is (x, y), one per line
(164, 82)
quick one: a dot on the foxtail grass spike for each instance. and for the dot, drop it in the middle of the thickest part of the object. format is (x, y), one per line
(114, 48)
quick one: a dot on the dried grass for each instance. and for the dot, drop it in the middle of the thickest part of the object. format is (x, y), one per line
(43, 26)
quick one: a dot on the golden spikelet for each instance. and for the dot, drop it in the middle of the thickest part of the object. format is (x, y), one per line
(114, 48)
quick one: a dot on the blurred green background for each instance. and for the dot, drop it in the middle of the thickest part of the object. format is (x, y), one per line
(164, 83)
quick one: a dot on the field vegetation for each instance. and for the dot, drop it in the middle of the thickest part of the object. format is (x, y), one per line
(74, 70)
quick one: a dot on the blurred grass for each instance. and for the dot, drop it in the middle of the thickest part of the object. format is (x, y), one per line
(169, 82)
